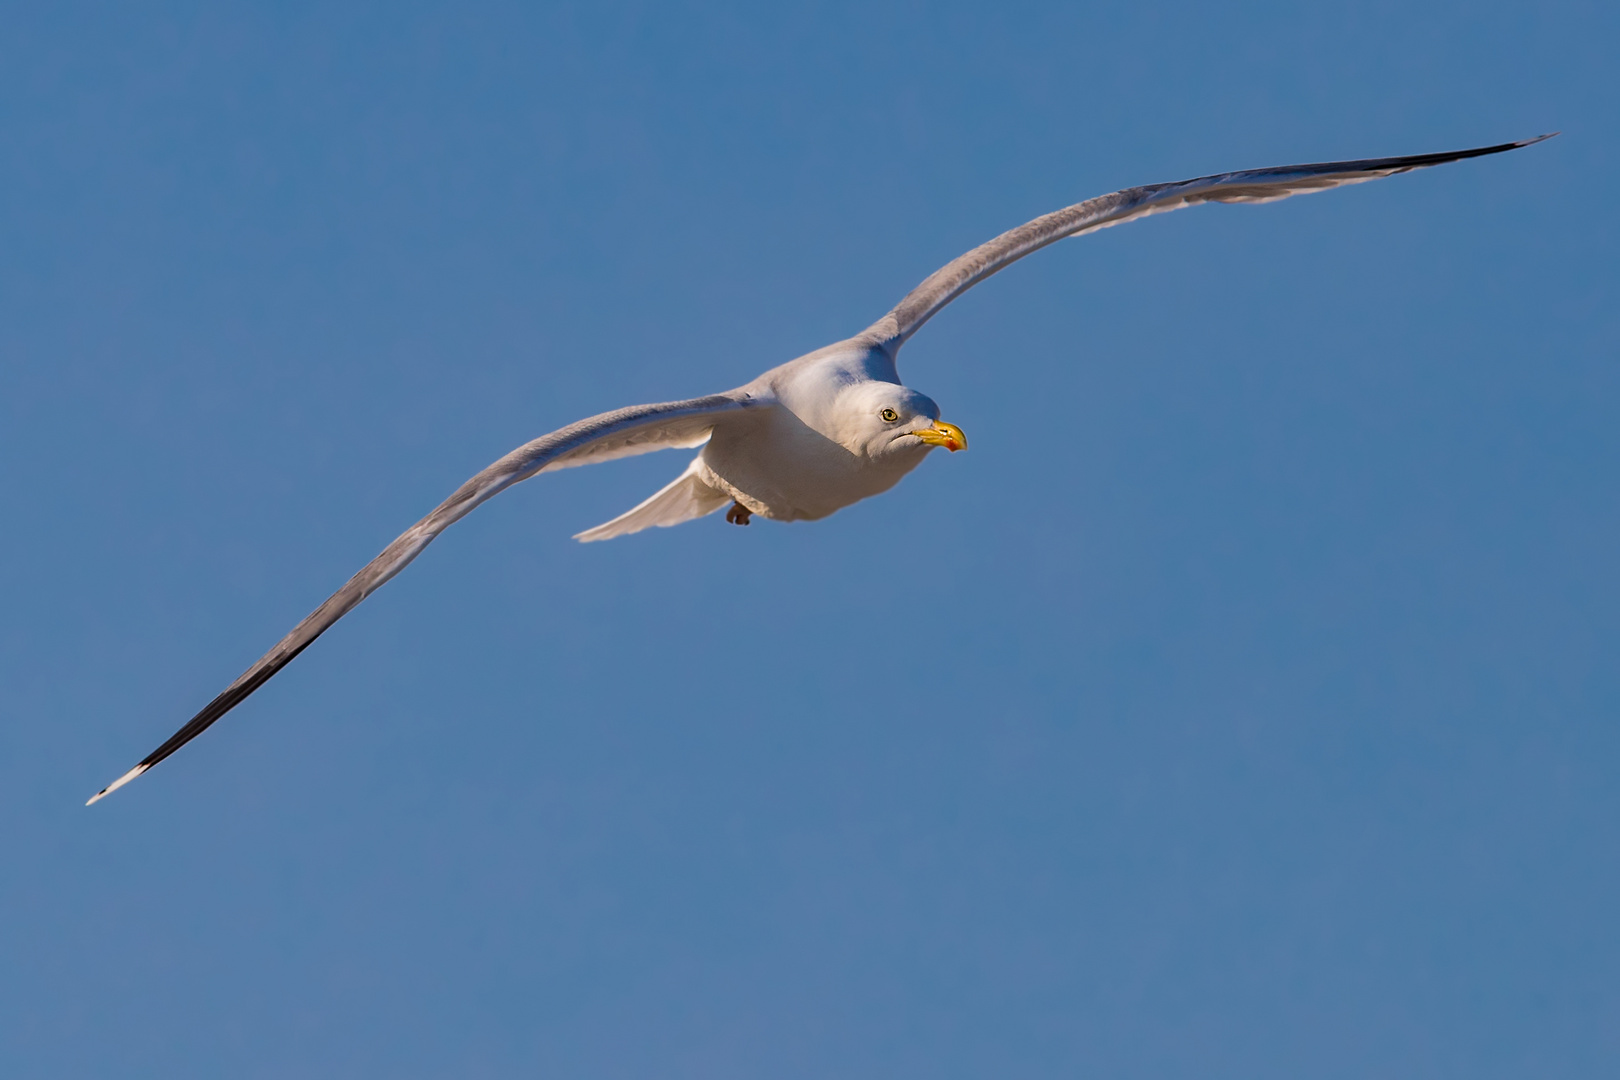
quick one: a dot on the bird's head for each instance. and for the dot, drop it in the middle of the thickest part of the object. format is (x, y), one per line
(878, 420)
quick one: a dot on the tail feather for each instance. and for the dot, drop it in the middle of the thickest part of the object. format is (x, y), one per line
(682, 499)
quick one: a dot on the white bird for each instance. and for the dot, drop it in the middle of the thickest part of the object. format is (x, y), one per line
(804, 439)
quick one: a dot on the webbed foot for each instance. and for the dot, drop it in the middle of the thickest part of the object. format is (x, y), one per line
(738, 514)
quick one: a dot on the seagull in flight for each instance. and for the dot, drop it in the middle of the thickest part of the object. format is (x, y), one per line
(804, 439)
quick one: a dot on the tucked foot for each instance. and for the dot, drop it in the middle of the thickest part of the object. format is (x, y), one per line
(738, 514)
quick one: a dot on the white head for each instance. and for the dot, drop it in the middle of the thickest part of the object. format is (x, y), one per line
(878, 420)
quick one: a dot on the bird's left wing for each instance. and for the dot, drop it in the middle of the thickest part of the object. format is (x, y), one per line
(617, 434)
(1250, 186)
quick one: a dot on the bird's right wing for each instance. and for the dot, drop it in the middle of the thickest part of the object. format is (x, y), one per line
(1250, 186)
(621, 433)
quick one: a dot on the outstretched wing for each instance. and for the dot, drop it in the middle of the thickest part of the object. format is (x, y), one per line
(635, 430)
(1251, 186)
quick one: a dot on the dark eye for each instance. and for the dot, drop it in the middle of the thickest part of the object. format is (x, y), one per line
(889, 415)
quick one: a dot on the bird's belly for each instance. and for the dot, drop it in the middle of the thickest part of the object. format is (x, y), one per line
(799, 480)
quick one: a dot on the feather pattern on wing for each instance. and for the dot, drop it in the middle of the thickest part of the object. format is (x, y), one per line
(621, 433)
(1250, 186)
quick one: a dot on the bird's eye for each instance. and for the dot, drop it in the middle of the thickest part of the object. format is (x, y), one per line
(889, 415)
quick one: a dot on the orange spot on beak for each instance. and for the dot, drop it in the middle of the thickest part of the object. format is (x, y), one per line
(942, 434)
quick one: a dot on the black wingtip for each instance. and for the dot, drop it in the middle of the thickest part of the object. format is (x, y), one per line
(118, 783)
(1420, 161)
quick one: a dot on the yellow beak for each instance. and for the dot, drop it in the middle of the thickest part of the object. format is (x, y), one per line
(942, 434)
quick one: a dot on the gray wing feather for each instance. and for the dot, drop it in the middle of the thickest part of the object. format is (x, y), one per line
(636, 430)
(1250, 186)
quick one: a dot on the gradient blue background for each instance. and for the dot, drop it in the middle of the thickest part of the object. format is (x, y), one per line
(1243, 704)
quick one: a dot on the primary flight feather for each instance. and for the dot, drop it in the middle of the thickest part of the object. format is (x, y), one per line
(804, 439)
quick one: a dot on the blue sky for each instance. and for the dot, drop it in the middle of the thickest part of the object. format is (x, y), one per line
(1242, 704)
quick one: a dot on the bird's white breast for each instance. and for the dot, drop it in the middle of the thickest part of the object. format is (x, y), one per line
(785, 460)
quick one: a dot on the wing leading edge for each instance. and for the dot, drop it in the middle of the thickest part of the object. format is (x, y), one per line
(635, 430)
(1249, 186)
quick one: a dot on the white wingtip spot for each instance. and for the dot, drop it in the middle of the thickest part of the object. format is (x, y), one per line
(116, 784)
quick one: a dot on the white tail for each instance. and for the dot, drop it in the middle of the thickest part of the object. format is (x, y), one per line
(682, 499)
